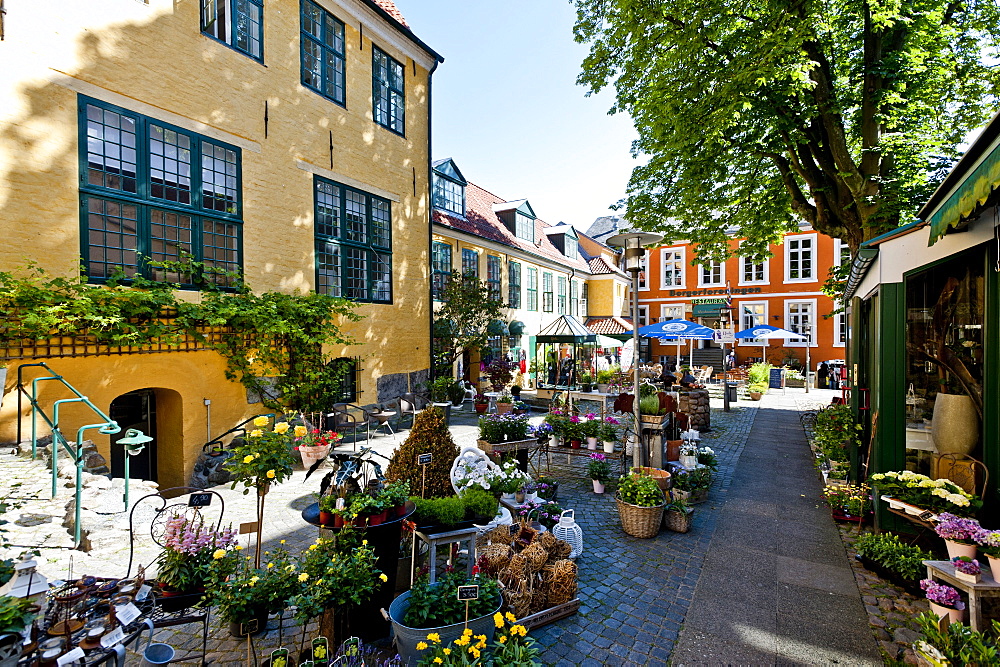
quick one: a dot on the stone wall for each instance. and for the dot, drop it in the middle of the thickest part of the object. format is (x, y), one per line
(696, 405)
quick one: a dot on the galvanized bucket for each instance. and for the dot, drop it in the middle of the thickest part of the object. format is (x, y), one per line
(407, 637)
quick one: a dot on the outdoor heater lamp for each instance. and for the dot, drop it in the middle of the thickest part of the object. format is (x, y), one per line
(634, 242)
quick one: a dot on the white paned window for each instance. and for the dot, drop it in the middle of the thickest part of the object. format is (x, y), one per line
(841, 253)
(711, 274)
(671, 312)
(839, 326)
(752, 273)
(800, 317)
(752, 313)
(673, 268)
(644, 271)
(643, 315)
(800, 258)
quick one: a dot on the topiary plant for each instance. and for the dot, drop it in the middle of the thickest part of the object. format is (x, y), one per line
(429, 434)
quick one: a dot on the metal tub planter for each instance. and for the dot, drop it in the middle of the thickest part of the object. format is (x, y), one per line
(407, 637)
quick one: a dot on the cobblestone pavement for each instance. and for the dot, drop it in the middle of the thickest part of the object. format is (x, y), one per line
(635, 593)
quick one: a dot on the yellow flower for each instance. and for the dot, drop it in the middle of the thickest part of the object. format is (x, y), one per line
(270, 474)
(364, 543)
(510, 617)
(462, 641)
(281, 428)
(519, 630)
(300, 431)
(503, 639)
(256, 433)
(256, 456)
(239, 547)
(270, 565)
(282, 541)
(421, 646)
(219, 553)
(434, 637)
(247, 459)
(261, 421)
(446, 651)
(313, 547)
(474, 651)
(303, 576)
(438, 661)
(467, 632)
(383, 577)
(498, 619)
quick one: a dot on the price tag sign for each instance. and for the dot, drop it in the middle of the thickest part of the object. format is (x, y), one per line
(143, 592)
(424, 459)
(72, 656)
(199, 500)
(466, 593)
(127, 613)
(249, 527)
(250, 628)
(112, 638)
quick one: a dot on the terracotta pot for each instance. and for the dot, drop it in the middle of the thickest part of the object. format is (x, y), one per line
(598, 486)
(310, 455)
(959, 549)
(519, 497)
(376, 519)
(481, 408)
(401, 509)
(994, 567)
(592, 443)
(575, 444)
(954, 615)
(504, 408)
(326, 518)
(674, 450)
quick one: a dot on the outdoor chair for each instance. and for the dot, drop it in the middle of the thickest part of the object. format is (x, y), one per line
(409, 404)
(347, 416)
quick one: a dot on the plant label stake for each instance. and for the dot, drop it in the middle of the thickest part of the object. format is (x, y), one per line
(423, 460)
(467, 594)
(320, 649)
(279, 657)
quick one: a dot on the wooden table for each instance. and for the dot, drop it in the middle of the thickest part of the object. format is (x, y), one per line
(987, 588)
(583, 451)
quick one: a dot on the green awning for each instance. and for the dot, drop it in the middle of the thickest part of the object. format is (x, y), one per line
(707, 309)
(516, 328)
(974, 190)
(498, 328)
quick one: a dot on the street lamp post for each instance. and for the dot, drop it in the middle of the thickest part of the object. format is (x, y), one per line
(633, 243)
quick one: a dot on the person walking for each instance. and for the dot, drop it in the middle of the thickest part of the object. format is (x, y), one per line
(822, 373)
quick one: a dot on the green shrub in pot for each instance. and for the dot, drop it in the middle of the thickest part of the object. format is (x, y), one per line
(438, 511)
(891, 553)
(650, 405)
(641, 490)
(479, 503)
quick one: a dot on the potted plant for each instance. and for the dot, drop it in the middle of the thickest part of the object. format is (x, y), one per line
(758, 378)
(603, 380)
(545, 512)
(692, 485)
(243, 595)
(481, 403)
(586, 381)
(609, 433)
(505, 402)
(958, 534)
(988, 542)
(395, 495)
(507, 480)
(916, 493)
(956, 644)
(944, 600)
(515, 391)
(511, 646)
(547, 488)
(599, 471)
(15, 615)
(967, 569)
(650, 410)
(521, 408)
(543, 432)
(640, 505)
(886, 555)
(433, 609)
(848, 502)
(573, 431)
(314, 445)
(500, 372)
(480, 505)
(183, 566)
(329, 514)
(558, 420)
(677, 516)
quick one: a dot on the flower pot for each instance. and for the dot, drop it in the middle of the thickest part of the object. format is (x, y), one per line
(246, 627)
(602, 387)
(651, 419)
(994, 567)
(553, 441)
(971, 578)
(310, 454)
(519, 497)
(674, 449)
(401, 509)
(609, 446)
(592, 443)
(678, 522)
(504, 408)
(481, 408)
(959, 549)
(507, 497)
(530, 497)
(326, 518)
(662, 477)
(575, 444)
(376, 519)
(637, 521)
(407, 638)
(954, 615)
(598, 486)
(955, 424)
(755, 395)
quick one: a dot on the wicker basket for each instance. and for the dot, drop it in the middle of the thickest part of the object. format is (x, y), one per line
(662, 477)
(639, 521)
(679, 522)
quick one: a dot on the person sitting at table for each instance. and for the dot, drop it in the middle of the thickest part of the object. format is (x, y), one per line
(667, 379)
(688, 380)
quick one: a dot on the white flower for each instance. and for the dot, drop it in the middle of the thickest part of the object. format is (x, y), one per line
(957, 499)
(878, 476)
(940, 493)
(927, 483)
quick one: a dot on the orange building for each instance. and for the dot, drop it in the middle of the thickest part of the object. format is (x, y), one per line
(783, 291)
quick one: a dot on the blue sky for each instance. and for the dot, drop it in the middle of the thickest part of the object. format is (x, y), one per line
(508, 110)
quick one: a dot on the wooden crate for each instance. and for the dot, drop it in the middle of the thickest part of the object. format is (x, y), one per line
(550, 615)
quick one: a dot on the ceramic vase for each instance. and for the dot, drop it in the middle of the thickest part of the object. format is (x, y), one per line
(954, 615)
(598, 486)
(609, 446)
(959, 549)
(592, 443)
(955, 425)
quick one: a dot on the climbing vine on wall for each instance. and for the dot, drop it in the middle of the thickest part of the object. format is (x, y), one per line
(271, 333)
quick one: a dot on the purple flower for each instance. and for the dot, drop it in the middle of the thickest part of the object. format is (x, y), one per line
(597, 456)
(946, 596)
(955, 528)
(966, 565)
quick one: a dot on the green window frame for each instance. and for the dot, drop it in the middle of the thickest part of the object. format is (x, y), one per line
(353, 233)
(470, 262)
(513, 285)
(561, 302)
(574, 300)
(239, 24)
(494, 276)
(532, 288)
(388, 92)
(547, 295)
(440, 267)
(322, 52)
(449, 195)
(150, 191)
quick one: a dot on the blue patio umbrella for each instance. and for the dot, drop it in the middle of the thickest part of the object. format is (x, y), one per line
(766, 332)
(678, 330)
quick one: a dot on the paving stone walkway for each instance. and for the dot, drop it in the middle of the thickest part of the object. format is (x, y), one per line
(776, 586)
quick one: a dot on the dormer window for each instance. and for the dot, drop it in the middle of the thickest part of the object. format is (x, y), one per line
(564, 238)
(525, 227)
(449, 187)
(518, 217)
(572, 247)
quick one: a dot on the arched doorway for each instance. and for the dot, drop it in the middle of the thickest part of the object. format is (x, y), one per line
(136, 409)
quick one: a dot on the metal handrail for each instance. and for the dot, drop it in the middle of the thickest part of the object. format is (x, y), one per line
(239, 427)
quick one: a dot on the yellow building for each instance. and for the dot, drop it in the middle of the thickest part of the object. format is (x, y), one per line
(541, 271)
(286, 139)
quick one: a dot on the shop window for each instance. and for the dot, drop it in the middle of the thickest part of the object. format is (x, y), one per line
(945, 316)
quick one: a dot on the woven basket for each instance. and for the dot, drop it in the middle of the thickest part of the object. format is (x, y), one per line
(679, 522)
(639, 521)
(662, 477)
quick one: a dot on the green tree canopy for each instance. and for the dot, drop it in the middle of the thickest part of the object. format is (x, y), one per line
(462, 320)
(756, 114)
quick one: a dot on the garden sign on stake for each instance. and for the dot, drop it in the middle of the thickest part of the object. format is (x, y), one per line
(423, 460)
(467, 594)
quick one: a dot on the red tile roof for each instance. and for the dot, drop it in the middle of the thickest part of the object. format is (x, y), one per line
(609, 325)
(390, 8)
(599, 265)
(481, 221)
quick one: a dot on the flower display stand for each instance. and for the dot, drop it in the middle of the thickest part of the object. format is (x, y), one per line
(987, 588)
(436, 539)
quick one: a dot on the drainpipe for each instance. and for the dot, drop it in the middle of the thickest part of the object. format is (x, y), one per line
(430, 221)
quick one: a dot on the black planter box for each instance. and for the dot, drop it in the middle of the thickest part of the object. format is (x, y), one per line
(911, 586)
